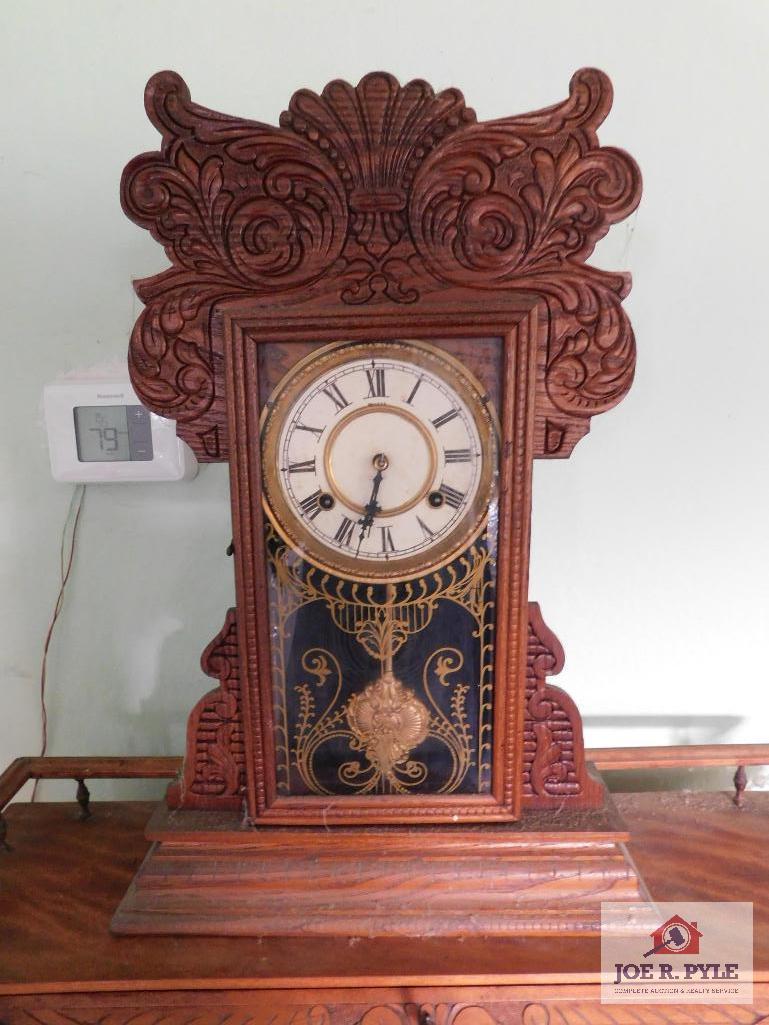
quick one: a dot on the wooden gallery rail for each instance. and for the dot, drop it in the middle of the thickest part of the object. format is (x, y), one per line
(609, 759)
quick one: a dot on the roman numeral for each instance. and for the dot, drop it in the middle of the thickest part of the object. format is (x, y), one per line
(425, 529)
(344, 532)
(310, 506)
(451, 496)
(457, 455)
(414, 391)
(444, 418)
(387, 540)
(376, 383)
(313, 430)
(306, 466)
(332, 391)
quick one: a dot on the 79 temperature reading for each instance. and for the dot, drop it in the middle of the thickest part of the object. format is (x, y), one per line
(108, 438)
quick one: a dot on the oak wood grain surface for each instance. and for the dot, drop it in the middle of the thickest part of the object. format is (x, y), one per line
(63, 879)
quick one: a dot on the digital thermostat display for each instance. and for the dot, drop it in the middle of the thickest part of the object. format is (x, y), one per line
(108, 434)
(99, 432)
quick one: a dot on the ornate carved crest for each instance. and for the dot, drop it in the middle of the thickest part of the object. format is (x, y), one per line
(380, 194)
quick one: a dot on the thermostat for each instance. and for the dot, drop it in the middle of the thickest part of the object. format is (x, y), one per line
(98, 431)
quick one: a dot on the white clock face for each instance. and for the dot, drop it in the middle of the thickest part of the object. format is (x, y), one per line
(377, 458)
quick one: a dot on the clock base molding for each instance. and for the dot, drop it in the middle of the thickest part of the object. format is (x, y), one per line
(208, 875)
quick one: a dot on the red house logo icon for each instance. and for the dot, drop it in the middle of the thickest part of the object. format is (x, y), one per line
(676, 936)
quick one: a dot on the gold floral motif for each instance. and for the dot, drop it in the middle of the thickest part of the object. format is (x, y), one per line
(385, 721)
(454, 732)
(383, 632)
(313, 730)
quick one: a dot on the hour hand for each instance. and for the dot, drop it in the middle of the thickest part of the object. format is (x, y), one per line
(372, 507)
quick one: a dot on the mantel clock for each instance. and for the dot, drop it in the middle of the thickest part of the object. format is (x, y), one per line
(380, 314)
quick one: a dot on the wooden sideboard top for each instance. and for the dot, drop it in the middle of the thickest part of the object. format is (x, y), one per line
(63, 879)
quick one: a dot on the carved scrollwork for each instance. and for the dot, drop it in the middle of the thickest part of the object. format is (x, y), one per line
(240, 208)
(521, 203)
(583, 1012)
(428, 1014)
(163, 1013)
(563, 1011)
(379, 194)
(168, 359)
(233, 201)
(214, 772)
(554, 769)
(591, 348)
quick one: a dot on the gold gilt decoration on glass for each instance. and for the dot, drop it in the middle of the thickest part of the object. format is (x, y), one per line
(369, 731)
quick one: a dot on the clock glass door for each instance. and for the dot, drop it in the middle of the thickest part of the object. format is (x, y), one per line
(380, 475)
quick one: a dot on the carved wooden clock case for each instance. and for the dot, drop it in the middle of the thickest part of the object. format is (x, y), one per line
(380, 313)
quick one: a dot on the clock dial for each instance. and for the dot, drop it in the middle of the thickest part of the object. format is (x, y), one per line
(378, 458)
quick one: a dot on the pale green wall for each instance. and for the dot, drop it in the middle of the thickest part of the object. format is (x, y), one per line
(650, 546)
